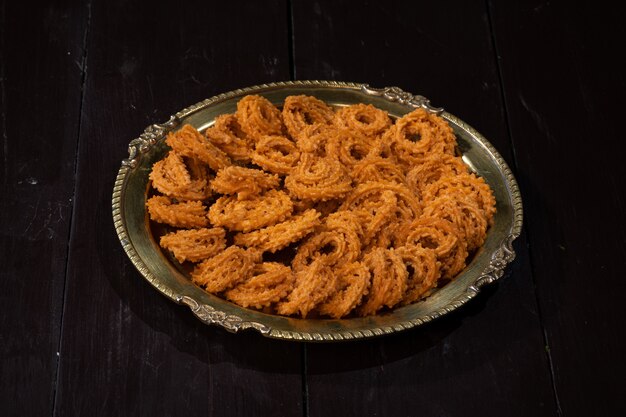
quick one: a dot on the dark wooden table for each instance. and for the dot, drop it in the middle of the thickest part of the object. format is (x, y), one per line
(81, 333)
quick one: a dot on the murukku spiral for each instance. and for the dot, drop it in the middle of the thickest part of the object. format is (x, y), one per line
(172, 177)
(256, 212)
(268, 283)
(313, 285)
(226, 269)
(464, 213)
(468, 185)
(337, 243)
(244, 182)
(443, 238)
(300, 112)
(422, 271)
(348, 147)
(364, 119)
(419, 134)
(280, 235)
(188, 214)
(228, 136)
(276, 154)
(194, 245)
(389, 280)
(353, 282)
(189, 142)
(316, 178)
(377, 169)
(364, 214)
(433, 168)
(258, 117)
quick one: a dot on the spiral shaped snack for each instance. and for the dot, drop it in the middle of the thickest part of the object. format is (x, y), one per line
(389, 280)
(363, 118)
(172, 177)
(254, 213)
(269, 283)
(315, 139)
(464, 213)
(372, 191)
(244, 182)
(279, 236)
(419, 134)
(226, 269)
(422, 271)
(194, 245)
(337, 243)
(189, 214)
(227, 135)
(360, 214)
(276, 154)
(189, 142)
(299, 112)
(433, 168)
(348, 147)
(468, 185)
(313, 285)
(377, 169)
(375, 214)
(353, 281)
(258, 117)
(318, 179)
(443, 238)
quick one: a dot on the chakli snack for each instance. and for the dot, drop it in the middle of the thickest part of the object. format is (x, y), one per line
(309, 211)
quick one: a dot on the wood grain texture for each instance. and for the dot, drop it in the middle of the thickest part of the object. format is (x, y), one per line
(41, 53)
(488, 358)
(126, 350)
(565, 85)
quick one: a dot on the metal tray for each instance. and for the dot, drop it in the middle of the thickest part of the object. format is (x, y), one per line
(131, 222)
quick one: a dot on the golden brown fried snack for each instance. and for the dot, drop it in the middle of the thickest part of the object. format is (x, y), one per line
(266, 209)
(338, 242)
(389, 281)
(189, 142)
(269, 283)
(172, 177)
(422, 269)
(377, 169)
(194, 245)
(228, 135)
(372, 191)
(443, 238)
(226, 269)
(276, 154)
(348, 147)
(190, 214)
(419, 134)
(432, 169)
(279, 236)
(353, 282)
(382, 211)
(468, 185)
(245, 182)
(313, 285)
(363, 118)
(318, 179)
(314, 139)
(299, 112)
(258, 117)
(464, 213)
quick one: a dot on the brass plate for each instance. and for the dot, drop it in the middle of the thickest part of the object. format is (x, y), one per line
(131, 222)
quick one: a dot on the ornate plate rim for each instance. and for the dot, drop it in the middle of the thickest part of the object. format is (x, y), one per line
(500, 258)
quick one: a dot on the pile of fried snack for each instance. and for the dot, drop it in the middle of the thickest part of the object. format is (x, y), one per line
(311, 211)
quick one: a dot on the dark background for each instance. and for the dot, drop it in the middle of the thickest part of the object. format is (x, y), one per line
(81, 333)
